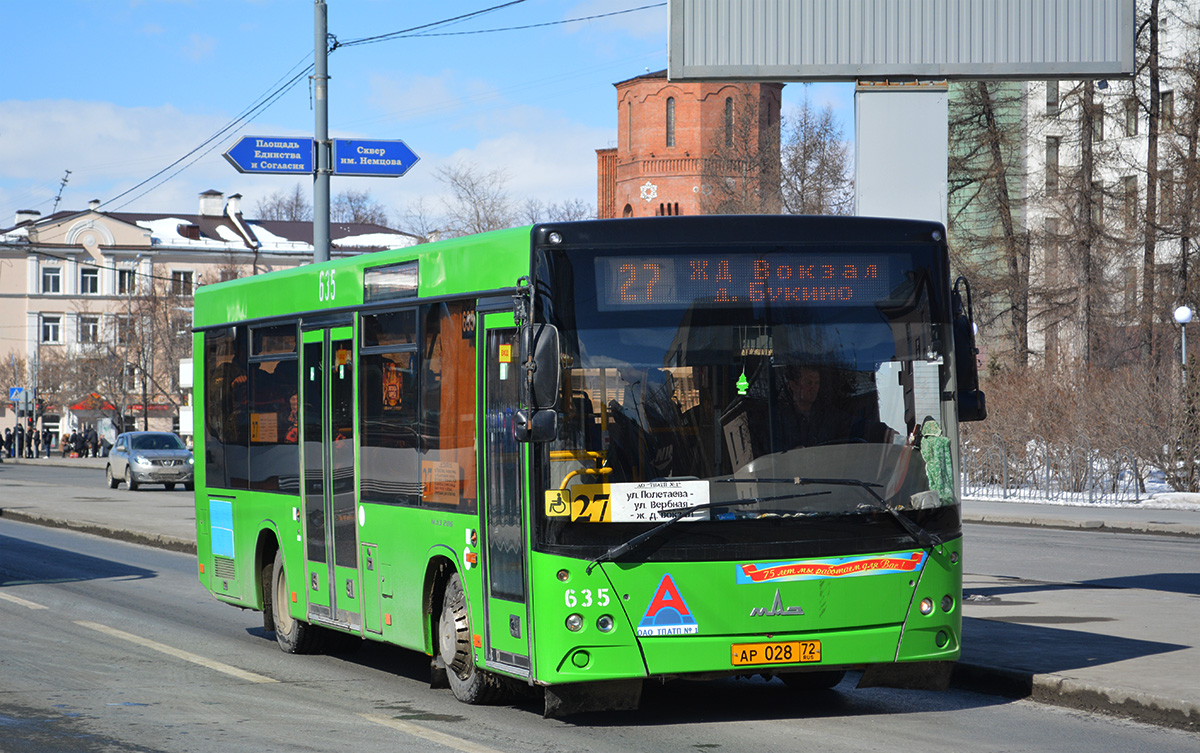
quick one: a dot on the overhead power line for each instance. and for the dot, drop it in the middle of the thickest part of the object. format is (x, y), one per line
(264, 101)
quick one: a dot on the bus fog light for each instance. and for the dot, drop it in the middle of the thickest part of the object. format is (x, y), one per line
(926, 605)
(941, 639)
(605, 623)
(575, 623)
(555, 238)
(581, 659)
(947, 603)
(563, 575)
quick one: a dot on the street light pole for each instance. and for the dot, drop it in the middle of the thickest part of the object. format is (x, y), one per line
(1183, 315)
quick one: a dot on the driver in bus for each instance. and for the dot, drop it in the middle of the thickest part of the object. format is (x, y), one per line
(818, 411)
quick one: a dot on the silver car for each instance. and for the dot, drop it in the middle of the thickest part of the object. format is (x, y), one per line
(150, 457)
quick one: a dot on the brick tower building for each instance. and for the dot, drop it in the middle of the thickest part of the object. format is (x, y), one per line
(666, 130)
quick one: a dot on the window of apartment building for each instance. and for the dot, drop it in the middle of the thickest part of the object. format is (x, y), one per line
(1052, 98)
(51, 328)
(1098, 123)
(1166, 111)
(1052, 165)
(1131, 116)
(1052, 273)
(124, 281)
(181, 281)
(729, 121)
(1166, 198)
(670, 121)
(1129, 190)
(121, 329)
(89, 281)
(89, 329)
(51, 280)
(1097, 203)
(1131, 290)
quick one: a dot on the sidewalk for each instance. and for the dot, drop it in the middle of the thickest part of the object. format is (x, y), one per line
(1127, 649)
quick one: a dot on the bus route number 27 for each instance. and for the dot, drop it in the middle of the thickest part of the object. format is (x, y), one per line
(326, 286)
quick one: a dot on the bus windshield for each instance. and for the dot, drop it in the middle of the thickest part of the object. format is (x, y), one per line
(786, 392)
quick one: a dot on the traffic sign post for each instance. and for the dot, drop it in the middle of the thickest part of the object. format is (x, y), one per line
(380, 159)
(272, 154)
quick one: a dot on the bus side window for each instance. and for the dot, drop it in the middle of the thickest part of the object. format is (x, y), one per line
(389, 435)
(227, 408)
(448, 407)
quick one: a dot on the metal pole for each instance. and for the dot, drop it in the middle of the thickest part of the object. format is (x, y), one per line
(321, 137)
(1183, 351)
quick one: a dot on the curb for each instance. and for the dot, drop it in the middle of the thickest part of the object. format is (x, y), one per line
(158, 541)
(1058, 690)
(1165, 529)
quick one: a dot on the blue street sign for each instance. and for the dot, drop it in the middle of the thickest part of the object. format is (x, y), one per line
(272, 154)
(13, 392)
(381, 159)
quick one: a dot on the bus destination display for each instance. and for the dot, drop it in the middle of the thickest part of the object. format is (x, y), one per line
(716, 280)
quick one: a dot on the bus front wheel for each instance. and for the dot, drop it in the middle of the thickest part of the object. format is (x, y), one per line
(294, 636)
(469, 683)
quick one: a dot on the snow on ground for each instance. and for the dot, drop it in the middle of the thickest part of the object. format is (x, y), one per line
(1154, 500)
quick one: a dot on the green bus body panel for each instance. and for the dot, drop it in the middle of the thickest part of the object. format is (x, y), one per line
(859, 619)
(444, 268)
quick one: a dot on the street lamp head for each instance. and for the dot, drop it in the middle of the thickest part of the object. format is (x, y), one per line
(1183, 315)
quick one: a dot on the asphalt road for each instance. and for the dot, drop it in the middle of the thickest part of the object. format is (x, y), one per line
(107, 646)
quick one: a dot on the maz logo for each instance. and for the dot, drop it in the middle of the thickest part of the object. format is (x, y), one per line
(775, 609)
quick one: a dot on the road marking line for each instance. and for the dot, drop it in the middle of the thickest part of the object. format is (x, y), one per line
(433, 736)
(177, 653)
(22, 602)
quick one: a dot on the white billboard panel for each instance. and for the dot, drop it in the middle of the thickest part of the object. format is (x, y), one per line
(848, 40)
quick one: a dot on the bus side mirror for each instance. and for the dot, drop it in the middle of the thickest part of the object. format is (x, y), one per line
(542, 371)
(535, 426)
(972, 405)
(541, 365)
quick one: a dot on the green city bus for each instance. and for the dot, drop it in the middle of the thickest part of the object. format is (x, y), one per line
(570, 457)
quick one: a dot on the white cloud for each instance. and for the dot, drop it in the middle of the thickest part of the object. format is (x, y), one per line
(109, 149)
(199, 47)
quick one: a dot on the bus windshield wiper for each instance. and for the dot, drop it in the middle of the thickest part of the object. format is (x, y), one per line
(686, 512)
(924, 538)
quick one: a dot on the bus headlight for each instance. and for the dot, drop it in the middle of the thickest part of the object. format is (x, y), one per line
(575, 623)
(947, 603)
(926, 606)
(605, 623)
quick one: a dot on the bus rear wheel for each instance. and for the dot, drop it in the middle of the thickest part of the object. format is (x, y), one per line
(469, 683)
(294, 636)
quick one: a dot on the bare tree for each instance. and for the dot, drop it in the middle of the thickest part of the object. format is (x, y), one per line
(283, 205)
(358, 207)
(741, 176)
(815, 167)
(1150, 240)
(479, 200)
(534, 211)
(421, 220)
(984, 194)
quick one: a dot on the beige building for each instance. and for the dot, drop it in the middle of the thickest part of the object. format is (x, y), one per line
(95, 306)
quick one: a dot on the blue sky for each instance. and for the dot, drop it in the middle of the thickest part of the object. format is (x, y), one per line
(117, 90)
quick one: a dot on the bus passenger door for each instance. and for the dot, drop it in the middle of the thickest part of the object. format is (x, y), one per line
(330, 535)
(502, 511)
